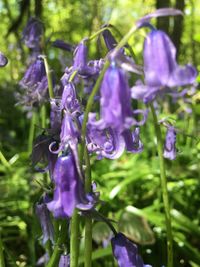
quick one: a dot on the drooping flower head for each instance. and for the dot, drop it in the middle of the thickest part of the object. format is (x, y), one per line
(69, 190)
(3, 60)
(160, 66)
(115, 110)
(161, 69)
(170, 144)
(32, 33)
(45, 221)
(125, 252)
(34, 83)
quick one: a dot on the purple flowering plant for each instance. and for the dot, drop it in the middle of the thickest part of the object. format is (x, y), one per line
(93, 113)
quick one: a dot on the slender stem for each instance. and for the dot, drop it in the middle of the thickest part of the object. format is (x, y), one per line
(4, 160)
(74, 239)
(43, 116)
(49, 78)
(31, 132)
(88, 220)
(2, 262)
(164, 188)
(58, 250)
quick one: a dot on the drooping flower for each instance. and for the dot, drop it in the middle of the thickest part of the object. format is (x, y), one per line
(160, 67)
(63, 45)
(69, 100)
(106, 143)
(132, 140)
(32, 33)
(34, 83)
(125, 252)
(45, 221)
(3, 60)
(109, 39)
(69, 190)
(115, 110)
(170, 143)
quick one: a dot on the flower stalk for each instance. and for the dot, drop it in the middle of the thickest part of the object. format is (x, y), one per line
(165, 195)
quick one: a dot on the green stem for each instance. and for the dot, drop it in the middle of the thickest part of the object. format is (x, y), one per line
(49, 78)
(74, 239)
(164, 188)
(43, 116)
(4, 160)
(2, 262)
(31, 132)
(88, 220)
(58, 250)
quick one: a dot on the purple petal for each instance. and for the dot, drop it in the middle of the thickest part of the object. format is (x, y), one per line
(64, 261)
(115, 101)
(125, 252)
(62, 45)
(45, 221)
(132, 140)
(170, 144)
(3, 60)
(32, 33)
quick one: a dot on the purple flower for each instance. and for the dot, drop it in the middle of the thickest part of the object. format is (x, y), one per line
(62, 45)
(132, 140)
(69, 100)
(3, 60)
(34, 83)
(125, 252)
(55, 115)
(106, 143)
(116, 111)
(45, 221)
(32, 33)
(160, 67)
(64, 261)
(170, 143)
(69, 190)
(109, 39)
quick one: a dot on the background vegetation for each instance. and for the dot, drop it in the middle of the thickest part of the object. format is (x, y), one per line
(129, 187)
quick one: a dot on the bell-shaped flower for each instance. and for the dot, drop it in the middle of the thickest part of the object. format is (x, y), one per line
(132, 140)
(115, 103)
(170, 143)
(80, 63)
(69, 100)
(160, 67)
(69, 189)
(3, 60)
(32, 33)
(106, 143)
(109, 39)
(126, 252)
(34, 84)
(45, 221)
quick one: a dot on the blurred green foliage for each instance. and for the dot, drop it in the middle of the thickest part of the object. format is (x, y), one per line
(130, 187)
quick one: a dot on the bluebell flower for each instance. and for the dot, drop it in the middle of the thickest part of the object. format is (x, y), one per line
(106, 143)
(170, 143)
(69, 189)
(32, 33)
(126, 252)
(34, 84)
(132, 140)
(45, 221)
(3, 60)
(160, 68)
